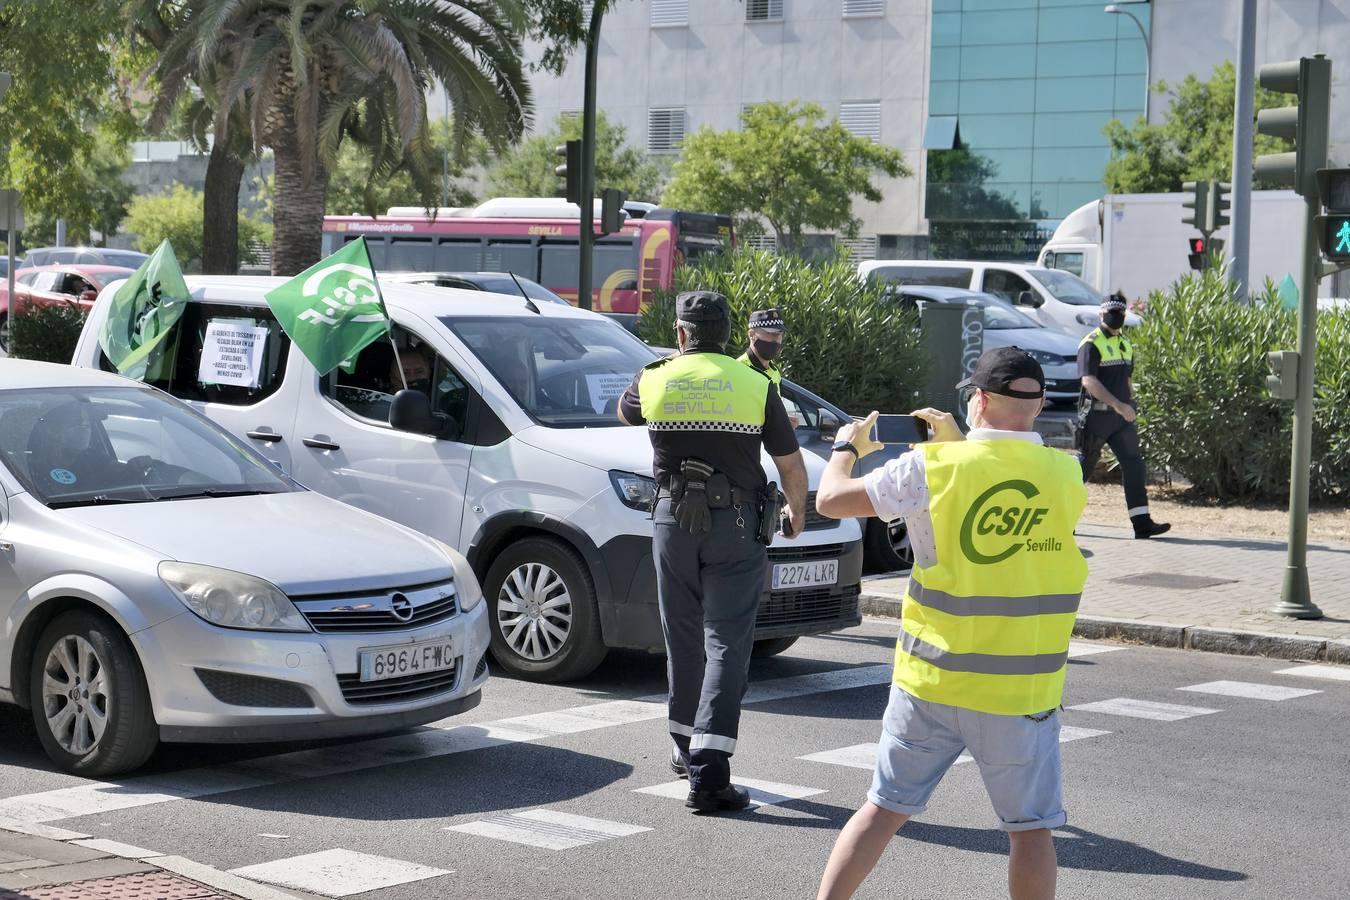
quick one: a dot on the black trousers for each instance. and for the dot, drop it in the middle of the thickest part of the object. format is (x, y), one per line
(1106, 428)
(708, 588)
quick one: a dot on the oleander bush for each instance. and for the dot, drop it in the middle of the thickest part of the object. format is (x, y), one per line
(845, 342)
(1204, 410)
(47, 333)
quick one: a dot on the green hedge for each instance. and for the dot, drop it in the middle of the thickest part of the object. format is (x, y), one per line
(46, 333)
(1204, 411)
(844, 342)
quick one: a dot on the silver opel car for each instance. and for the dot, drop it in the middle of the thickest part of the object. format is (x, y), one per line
(160, 581)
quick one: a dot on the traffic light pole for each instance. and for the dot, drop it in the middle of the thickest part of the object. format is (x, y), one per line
(1244, 117)
(586, 237)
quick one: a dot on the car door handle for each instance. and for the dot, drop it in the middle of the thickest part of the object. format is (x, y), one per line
(319, 445)
(270, 437)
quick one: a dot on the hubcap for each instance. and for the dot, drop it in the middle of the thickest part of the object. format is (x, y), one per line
(75, 695)
(534, 611)
(899, 535)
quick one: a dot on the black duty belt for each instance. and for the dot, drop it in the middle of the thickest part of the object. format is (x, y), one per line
(737, 496)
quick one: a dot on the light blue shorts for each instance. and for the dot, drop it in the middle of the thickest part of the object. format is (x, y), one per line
(1018, 760)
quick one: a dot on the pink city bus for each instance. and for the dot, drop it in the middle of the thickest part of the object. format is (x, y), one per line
(537, 239)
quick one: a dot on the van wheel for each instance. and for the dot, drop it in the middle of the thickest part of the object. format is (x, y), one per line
(773, 646)
(886, 546)
(4, 333)
(89, 699)
(545, 624)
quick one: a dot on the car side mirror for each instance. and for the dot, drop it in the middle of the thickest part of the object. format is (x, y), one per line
(1029, 298)
(829, 426)
(411, 411)
(89, 296)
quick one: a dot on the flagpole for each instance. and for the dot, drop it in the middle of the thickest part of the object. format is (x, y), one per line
(389, 330)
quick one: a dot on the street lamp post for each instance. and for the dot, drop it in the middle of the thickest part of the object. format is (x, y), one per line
(1119, 9)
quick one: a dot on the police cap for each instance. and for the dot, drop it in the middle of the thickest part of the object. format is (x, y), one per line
(702, 306)
(768, 320)
(1114, 302)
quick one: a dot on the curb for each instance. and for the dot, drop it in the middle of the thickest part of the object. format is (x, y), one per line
(1177, 637)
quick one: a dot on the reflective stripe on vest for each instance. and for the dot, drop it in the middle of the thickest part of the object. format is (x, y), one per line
(987, 626)
(703, 392)
(1114, 349)
(775, 374)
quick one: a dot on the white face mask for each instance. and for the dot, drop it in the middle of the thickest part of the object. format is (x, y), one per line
(970, 413)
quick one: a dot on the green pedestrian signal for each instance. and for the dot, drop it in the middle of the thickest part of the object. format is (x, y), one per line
(1342, 238)
(1333, 225)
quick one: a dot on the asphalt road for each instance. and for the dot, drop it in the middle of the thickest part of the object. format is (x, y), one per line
(1245, 799)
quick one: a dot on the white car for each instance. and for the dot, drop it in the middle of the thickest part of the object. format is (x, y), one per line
(1052, 297)
(161, 581)
(516, 457)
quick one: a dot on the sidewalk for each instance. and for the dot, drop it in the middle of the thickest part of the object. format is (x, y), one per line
(41, 862)
(1186, 590)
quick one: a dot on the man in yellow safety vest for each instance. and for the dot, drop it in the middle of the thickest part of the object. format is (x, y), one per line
(984, 636)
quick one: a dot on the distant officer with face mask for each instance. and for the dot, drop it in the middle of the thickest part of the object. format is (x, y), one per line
(766, 334)
(1107, 411)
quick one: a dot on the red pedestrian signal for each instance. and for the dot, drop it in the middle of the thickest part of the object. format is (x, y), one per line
(1197, 245)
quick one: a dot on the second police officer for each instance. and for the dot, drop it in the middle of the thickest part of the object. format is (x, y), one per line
(708, 417)
(765, 336)
(1107, 411)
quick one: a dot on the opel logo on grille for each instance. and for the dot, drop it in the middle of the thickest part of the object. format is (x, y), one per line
(401, 607)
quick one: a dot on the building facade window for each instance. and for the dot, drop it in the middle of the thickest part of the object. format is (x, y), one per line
(670, 13)
(665, 129)
(863, 118)
(857, 9)
(763, 10)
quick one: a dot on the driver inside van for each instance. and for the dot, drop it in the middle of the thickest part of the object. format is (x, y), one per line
(416, 371)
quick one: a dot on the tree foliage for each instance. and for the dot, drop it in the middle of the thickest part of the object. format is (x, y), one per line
(1193, 143)
(351, 190)
(528, 169)
(107, 193)
(788, 166)
(177, 215)
(68, 116)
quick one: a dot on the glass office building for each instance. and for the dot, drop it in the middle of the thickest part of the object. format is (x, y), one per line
(1026, 86)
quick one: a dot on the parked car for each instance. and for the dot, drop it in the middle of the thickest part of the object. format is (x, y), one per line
(55, 284)
(84, 256)
(514, 454)
(1052, 297)
(494, 282)
(161, 581)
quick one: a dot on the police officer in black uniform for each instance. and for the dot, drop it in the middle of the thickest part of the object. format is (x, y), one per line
(1107, 411)
(708, 416)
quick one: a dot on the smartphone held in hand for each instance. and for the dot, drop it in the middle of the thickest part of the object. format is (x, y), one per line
(900, 430)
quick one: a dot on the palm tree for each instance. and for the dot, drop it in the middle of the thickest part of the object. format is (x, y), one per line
(308, 74)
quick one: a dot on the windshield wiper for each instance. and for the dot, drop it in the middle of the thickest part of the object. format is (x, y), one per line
(97, 500)
(216, 492)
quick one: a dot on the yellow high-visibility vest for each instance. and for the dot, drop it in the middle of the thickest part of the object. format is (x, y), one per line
(1114, 349)
(703, 392)
(775, 374)
(987, 628)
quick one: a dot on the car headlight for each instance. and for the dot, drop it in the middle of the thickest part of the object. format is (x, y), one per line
(1045, 358)
(232, 599)
(635, 491)
(1086, 318)
(467, 588)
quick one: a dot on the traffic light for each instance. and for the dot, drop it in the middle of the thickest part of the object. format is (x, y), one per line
(1309, 79)
(611, 210)
(1200, 249)
(1216, 204)
(1282, 382)
(570, 170)
(1333, 225)
(1197, 204)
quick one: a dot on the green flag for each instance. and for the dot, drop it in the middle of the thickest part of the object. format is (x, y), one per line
(333, 309)
(144, 311)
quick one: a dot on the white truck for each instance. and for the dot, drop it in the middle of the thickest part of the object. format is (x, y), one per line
(1137, 243)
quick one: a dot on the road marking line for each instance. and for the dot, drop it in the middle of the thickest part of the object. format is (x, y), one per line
(859, 756)
(101, 796)
(338, 873)
(1144, 709)
(213, 877)
(117, 848)
(1083, 648)
(548, 829)
(1332, 673)
(762, 793)
(1067, 733)
(1249, 690)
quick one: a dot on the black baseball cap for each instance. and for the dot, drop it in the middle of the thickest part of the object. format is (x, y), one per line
(768, 319)
(996, 369)
(701, 306)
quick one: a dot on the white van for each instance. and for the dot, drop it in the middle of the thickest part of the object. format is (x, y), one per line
(1052, 297)
(523, 467)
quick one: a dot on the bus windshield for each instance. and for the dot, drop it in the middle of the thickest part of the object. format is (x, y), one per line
(565, 373)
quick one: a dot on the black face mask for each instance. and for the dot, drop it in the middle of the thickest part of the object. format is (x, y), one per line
(767, 350)
(1114, 320)
(422, 385)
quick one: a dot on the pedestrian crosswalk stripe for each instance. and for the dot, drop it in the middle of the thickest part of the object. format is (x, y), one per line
(548, 829)
(338, 873)
(440, 739)
(1332, 673)
(859, 756)
(1144, 709)
(762, 793)
(1249, 690)
(1083, 648)
(1066, 733)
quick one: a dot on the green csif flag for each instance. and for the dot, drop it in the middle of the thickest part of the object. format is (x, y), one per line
(144, 311)
(333, 309)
